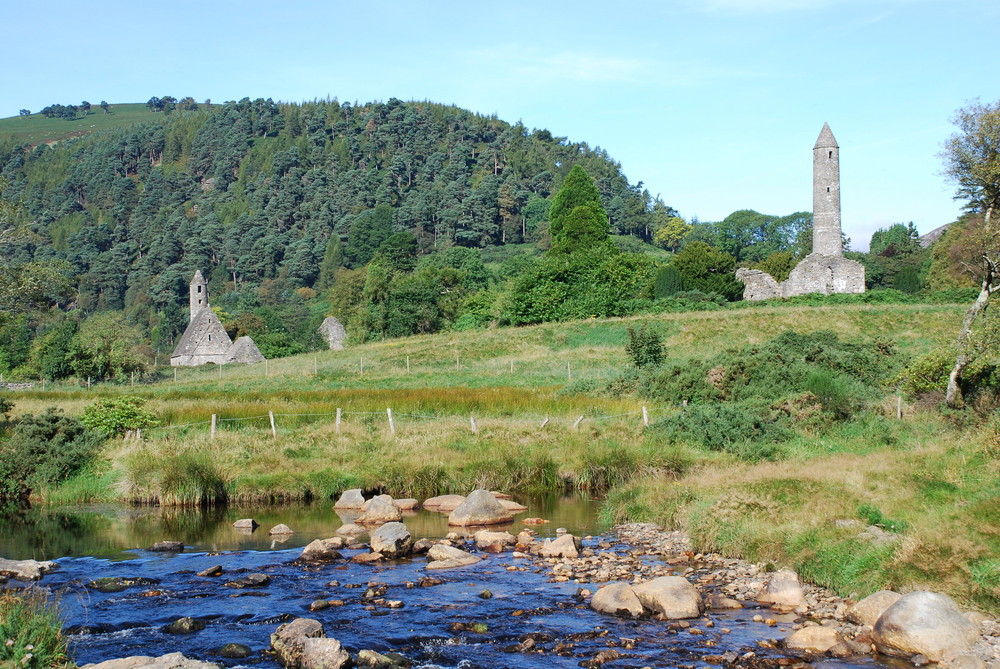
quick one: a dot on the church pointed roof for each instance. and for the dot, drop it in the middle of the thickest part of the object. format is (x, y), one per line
(826, 139)
(204, 336)
(197, 278)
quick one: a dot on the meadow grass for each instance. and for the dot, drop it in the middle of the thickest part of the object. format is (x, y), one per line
(36, 129)
(30, 630)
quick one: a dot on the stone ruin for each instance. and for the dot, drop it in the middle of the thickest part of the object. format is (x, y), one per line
(205, 340)
(333, 333)
(825, 270)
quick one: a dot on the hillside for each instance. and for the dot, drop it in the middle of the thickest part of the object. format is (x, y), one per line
(37, 129)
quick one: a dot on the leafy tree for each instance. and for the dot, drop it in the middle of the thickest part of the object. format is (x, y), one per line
(107, 347)
(668, 282)
(972, 162)
(672, 233)
(779, 264)
(118, 415)
(368, 231)
(106, 107)
(577, 191)
(24, 112)
(85, 107)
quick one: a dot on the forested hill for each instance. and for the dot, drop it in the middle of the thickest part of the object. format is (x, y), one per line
(256, 190)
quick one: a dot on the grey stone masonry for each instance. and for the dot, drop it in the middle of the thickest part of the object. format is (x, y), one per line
(205, 340)
(826, 194)
(198, 294)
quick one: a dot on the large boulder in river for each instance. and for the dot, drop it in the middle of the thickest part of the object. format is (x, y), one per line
(323, 653)
(350, 499)
(566, 546)
(871, 608)
(380, 510)
(26, 570)
(618, 599)
(289, 640)
(493, 542)
(924, 623)
(671, 596)
(783, 591)
(392, 540)
(169, 661)
(448, 557)
(480, 508)
(322, 550)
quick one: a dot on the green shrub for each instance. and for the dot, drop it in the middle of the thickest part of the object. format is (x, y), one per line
(726, 427)
(835, 393)
(43, 449)
(118, 415)
(644, 346)
(668, 282)
(927, 373)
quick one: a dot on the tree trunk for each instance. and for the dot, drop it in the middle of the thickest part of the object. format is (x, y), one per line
(953, 396)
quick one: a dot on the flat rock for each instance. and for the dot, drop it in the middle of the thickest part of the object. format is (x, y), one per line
(671, 596)
(350, 530)
(392, 540)
(167, 547)
(234, 651)
(493, 542)
(452, 563)
(512, 506)
(449, 557)
(215, 570)
(722, 603)
(871, 608)
(322, 550)
(566, 546)
(815, 639)
(380, 510)
(367, 558)
(250, 581)
(26, 570)
(169, 661)
(407, 504)
(444, 503)
(783, 591)
(479, 508)
(186, 625)
(350, 499)
(281, 528)
(924, 623)
(246, 524)
(618, 599)
(289, 640)
(323, 653)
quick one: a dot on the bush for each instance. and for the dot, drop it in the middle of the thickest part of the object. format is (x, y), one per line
(31, 628)
(116, 416)
(726, 427)
(927, 373)
(43, 449)
(644, 346)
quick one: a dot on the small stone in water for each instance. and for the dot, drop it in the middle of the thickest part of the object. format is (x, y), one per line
(485, 594)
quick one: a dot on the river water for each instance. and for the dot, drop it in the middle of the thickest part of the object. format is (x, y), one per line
(444, 625)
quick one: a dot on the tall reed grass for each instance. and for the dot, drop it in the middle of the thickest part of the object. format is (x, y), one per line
(31, 631)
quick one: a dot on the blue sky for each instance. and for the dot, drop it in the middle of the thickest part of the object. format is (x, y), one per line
(713, 104)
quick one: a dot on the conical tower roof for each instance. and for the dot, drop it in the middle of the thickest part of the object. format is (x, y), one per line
(826, 139)
(197, 278)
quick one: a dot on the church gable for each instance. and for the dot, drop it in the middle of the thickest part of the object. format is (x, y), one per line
(204, 336)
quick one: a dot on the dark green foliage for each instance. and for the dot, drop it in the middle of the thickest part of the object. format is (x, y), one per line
(118, 415)
(367, 233)
(6, 407)
(872, 515)
(750, 236)
(709, 270)
(727, 427)
(668, 282)
(577, 219)
(644, 346)
(42, 450)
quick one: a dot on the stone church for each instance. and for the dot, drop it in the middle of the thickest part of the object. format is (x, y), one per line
(825, 270)
(205, 340)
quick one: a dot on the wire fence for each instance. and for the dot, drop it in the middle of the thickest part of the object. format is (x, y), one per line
(391, 420)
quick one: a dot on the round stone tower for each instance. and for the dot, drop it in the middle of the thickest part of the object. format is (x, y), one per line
(198, 293)
(826, 195)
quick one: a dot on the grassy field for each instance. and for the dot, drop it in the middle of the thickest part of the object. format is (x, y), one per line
(930, 482)
(36, 129)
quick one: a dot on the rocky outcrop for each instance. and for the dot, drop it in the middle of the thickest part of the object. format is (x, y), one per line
(392, 540)
(26, 570)
(617, 599)
(169, 661)
(481, 507)
(333, 332)
(673, 597)
(924, 623)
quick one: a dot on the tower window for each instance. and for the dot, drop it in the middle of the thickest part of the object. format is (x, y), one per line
(827, 189)
(209, 337)
(199, 289)
(829, 156)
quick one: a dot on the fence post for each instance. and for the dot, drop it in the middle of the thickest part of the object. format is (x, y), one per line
(338, 420)
(274, 430)
(472, 421)
(175, 375)
(512, 365)
(267, 372)
(315, 366)
(133, 379)
(899, 407)
(213, 425)
(569, 371)
(407, 364)
(457, 365)
(362, 365)
(392, 425)
(544, 423)
(645, 417)
(577, 422)
(220, 371)
(88, 383)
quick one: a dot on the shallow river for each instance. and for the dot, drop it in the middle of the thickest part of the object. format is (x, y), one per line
(433, 628)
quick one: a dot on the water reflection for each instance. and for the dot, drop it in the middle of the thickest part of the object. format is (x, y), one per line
(111, 531)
